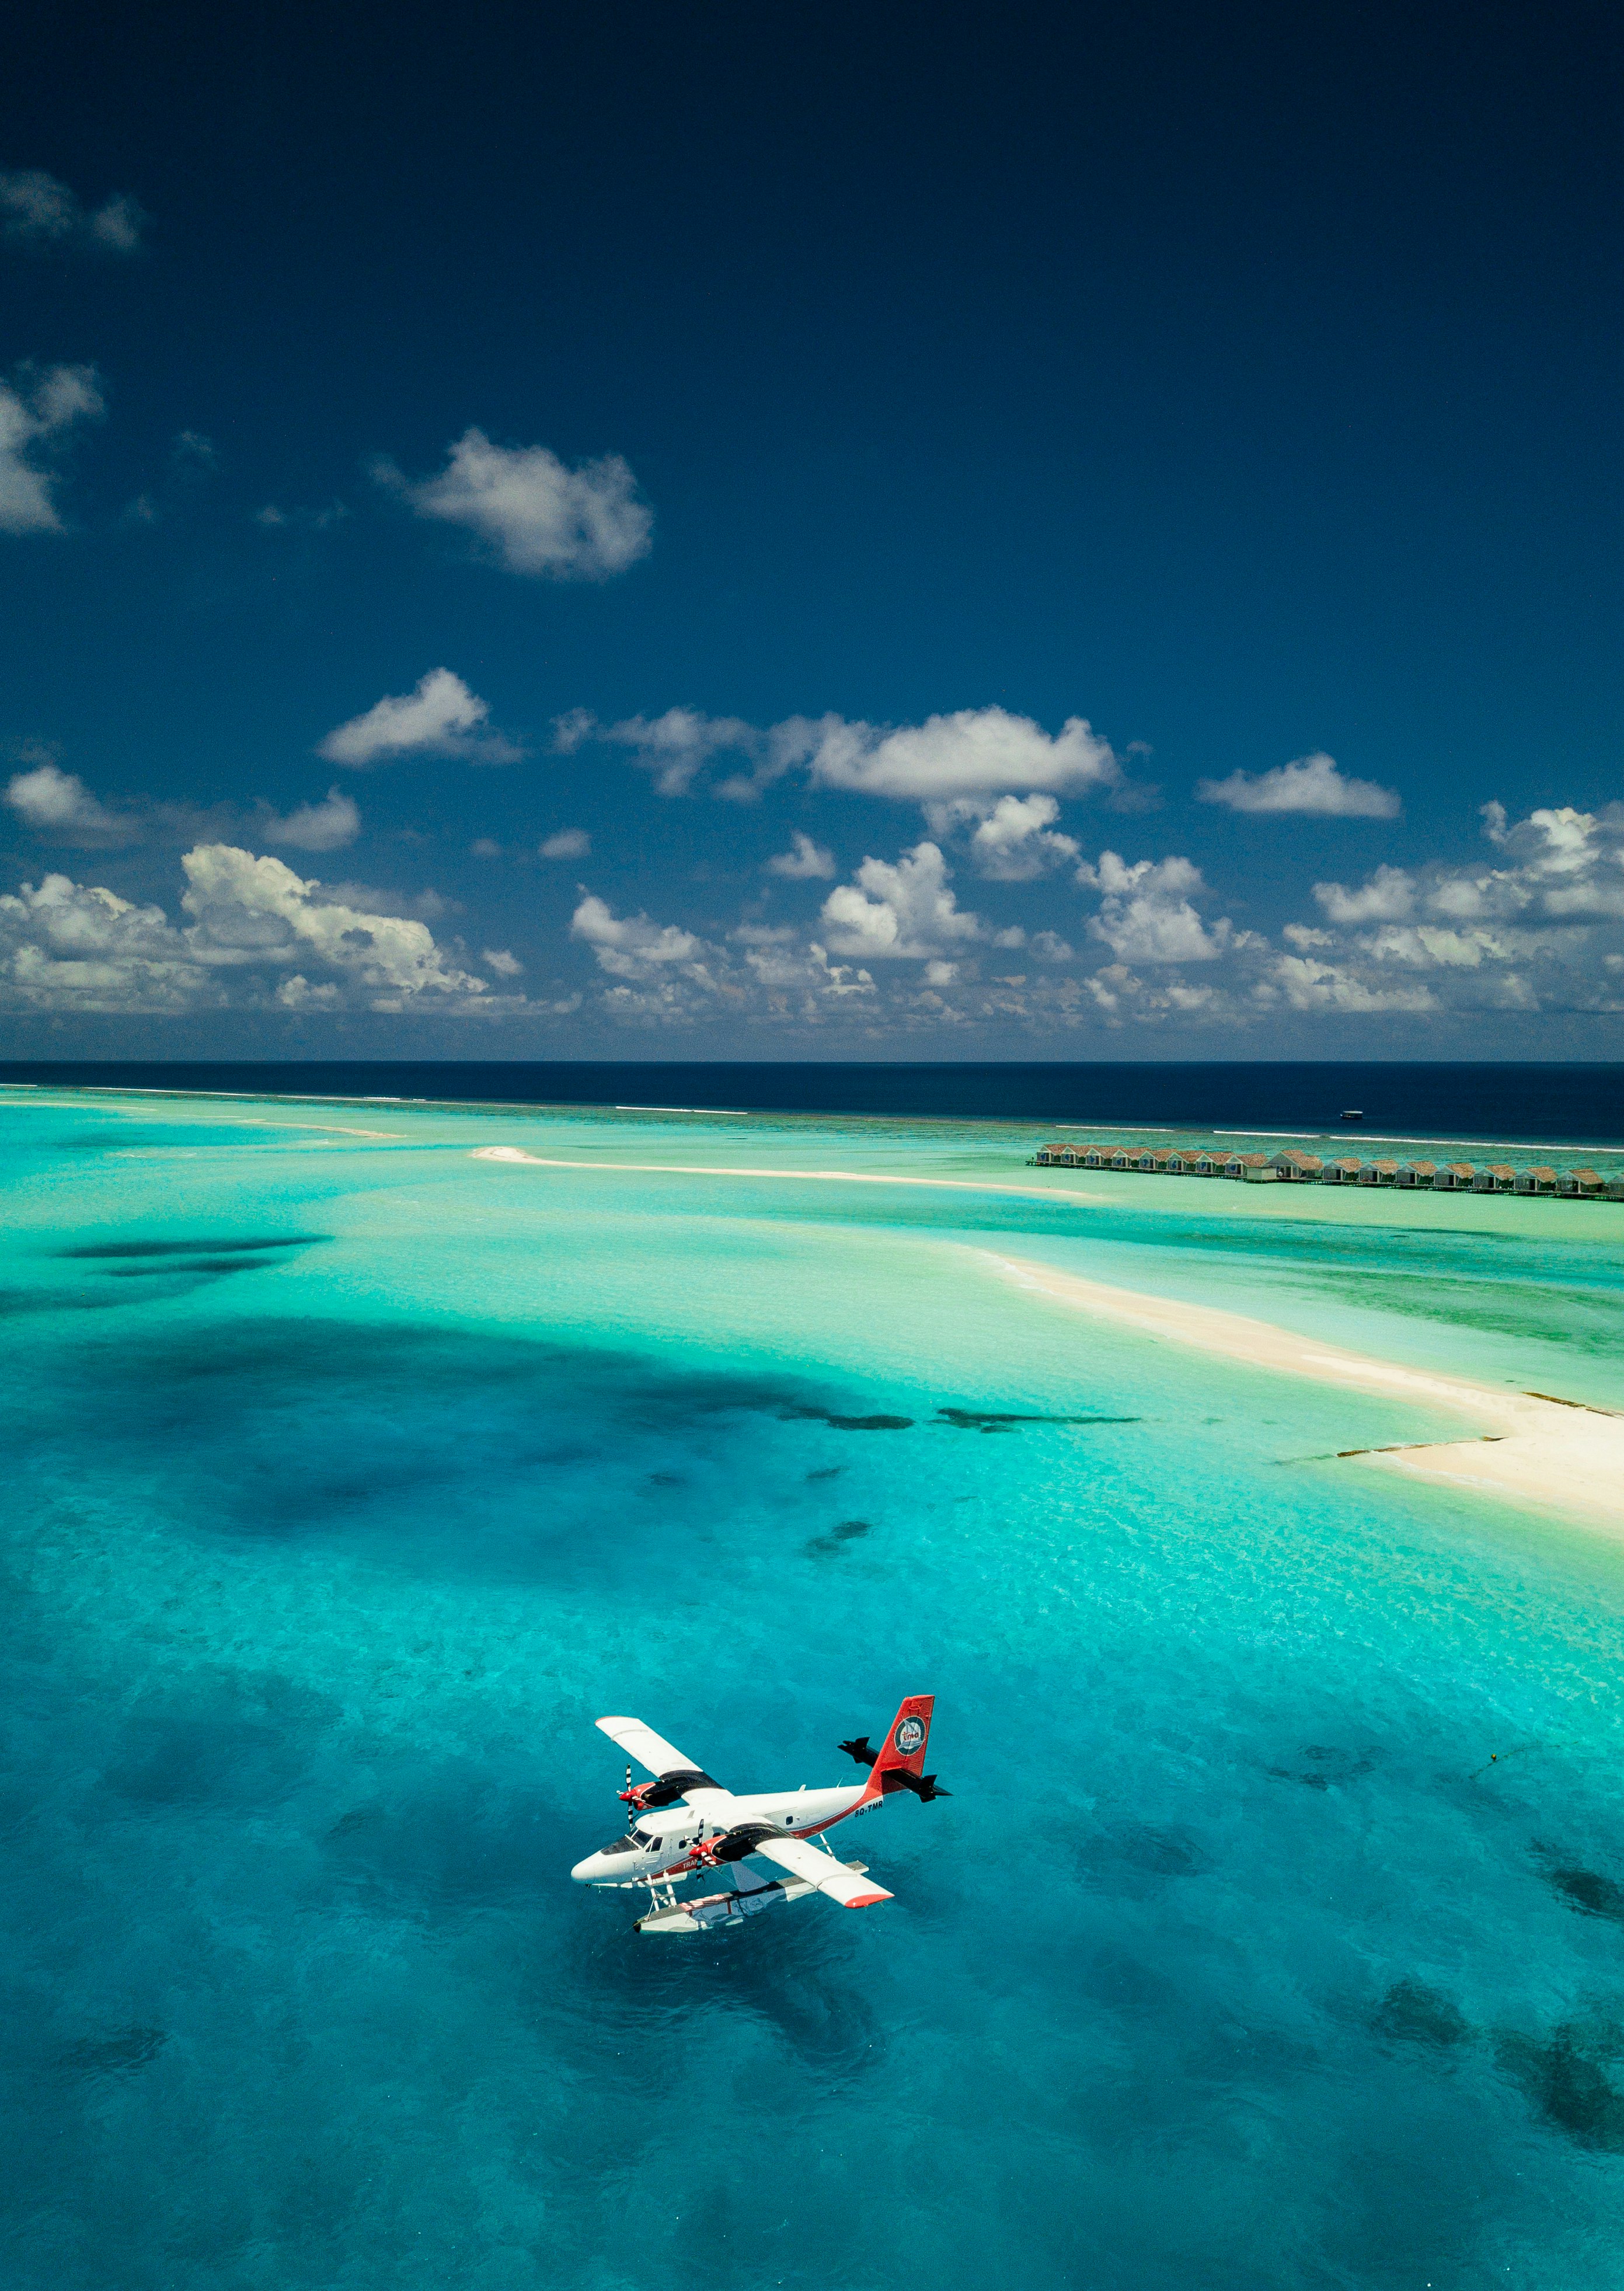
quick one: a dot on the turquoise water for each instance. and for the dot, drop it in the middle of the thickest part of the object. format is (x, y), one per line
(351, 1478)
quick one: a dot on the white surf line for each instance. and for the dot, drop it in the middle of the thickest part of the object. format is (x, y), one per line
(511, 1154)
(1549, 1453)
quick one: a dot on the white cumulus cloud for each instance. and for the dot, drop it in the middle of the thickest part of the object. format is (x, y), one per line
(441, 718)
(43, 214)
(629, 946)
(804, 861)
(1016, 841)
(966, 759)
(249, 910)
(1566, 863)
(569, 843)
(325, 827)
(976, 751)
(537, 515)
(1147, 912)
(1310, 983)
(1538, 927)
(1386, 896)
(674, 747)
(35, 415)
(255, 936)
(58, 806)
(1312, 783)
(904, 910)
(70, 946)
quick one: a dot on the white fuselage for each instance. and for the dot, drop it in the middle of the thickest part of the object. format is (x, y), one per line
(659, 1842)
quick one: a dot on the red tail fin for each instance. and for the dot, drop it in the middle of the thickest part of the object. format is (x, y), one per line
(905, 1745)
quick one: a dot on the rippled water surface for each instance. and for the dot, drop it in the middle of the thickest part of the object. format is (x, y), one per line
(1273, 1935)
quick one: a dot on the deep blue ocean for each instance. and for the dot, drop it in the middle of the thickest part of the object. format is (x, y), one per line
(1272, 1938)
(1553, 1104)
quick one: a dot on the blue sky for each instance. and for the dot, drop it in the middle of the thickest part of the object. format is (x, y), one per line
(776, 532)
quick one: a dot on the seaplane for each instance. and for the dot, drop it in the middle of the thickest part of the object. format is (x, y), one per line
(685, 1825)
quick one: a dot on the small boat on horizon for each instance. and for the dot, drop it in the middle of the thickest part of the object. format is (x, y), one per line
(1352, 1113)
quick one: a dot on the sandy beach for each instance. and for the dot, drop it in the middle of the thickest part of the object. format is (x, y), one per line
(1526, 1447)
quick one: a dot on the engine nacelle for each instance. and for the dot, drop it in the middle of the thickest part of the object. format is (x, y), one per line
(667, 1789)
(733, 1844)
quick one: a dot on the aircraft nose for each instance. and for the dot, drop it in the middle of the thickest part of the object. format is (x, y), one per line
(585, 1871)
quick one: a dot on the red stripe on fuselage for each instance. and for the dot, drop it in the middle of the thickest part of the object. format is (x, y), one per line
(812, 1829)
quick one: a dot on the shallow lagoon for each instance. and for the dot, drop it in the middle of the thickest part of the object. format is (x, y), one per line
(364, 1475)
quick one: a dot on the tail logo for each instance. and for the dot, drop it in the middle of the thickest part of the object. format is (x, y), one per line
(908, 1737)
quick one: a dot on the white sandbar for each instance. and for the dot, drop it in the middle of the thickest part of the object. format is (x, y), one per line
(819, 1176)
(1555, 1455)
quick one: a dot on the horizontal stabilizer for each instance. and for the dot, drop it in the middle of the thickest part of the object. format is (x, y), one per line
(923, 1786)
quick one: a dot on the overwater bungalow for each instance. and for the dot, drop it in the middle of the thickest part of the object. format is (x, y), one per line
(1498, 1177)
(1251, 1168)
(1299, 1167)
(1295, 1165)
(1581, 1185)
(1379, 1173)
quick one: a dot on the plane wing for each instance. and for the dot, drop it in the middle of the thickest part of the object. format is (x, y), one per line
(651, 1750)
(640, 1742)
(803, 1859)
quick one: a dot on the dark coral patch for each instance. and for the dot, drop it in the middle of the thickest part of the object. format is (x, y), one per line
(848, 1532)
(982, 1419)
(846, 1423)
(185, 1270)
(1417, 2014)
(221, 1245)
(1589, 1891)
(1566, 2079)
(116, 2054)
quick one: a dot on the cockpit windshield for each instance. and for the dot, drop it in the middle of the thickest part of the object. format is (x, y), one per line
(622, 1845)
